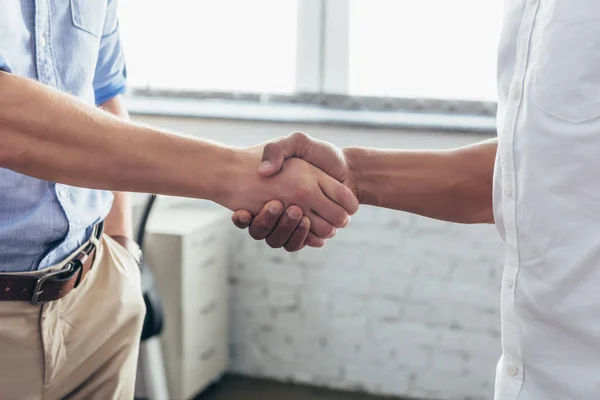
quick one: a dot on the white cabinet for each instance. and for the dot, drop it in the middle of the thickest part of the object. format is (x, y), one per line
(187, 249)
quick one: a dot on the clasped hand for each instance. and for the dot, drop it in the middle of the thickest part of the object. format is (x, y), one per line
(308, 177)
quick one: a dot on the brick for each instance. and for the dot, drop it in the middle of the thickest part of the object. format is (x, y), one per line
(454, 361)
(407, 334)
(469, 295)
(339, 278)
(391, 284)
(413, 357)
(344, 305)
(381, 381)
(454, 384)
(476, 273)
(386, 308)
(276, 270)
(283, 298)
(472, 343)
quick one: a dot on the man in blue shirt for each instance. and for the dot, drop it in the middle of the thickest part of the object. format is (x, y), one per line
(70, 302)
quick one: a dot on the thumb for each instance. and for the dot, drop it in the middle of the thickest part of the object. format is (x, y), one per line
(277, 151)
(272, 159)
(241, 219)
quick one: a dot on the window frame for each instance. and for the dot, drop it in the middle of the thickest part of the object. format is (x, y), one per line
(322, 75)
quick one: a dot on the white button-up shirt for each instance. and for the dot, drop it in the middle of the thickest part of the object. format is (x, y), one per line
(547, 199)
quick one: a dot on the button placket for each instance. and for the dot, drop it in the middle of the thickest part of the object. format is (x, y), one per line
(510, 282)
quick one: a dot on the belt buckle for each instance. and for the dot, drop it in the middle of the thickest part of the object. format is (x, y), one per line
(37, 290)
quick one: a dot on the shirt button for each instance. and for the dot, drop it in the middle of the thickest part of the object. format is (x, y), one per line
(43, 41)
(510, 282)
(509, 190)
(512, 370)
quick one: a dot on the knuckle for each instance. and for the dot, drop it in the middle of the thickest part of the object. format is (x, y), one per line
(270, 147)
(299, 136)
(301, 139)
(347, 197)
(343, 192)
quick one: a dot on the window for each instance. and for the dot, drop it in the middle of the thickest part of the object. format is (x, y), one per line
(435, 49)
(424, 48)
(209, 45)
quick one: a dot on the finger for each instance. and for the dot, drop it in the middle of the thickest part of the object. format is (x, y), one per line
(241, 219)
(320, 227)
(276, 151)
(339, 193)
(285, 227)
(328, 210)
(296, 242)
(264, 223)
(314, 241)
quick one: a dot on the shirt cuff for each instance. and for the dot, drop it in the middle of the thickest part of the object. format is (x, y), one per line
(110, 91)
(4, 65)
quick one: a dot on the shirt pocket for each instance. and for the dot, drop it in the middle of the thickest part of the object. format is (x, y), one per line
(565, 79)
(88, 15)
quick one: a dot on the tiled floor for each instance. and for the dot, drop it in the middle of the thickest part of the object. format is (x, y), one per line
(241, 388)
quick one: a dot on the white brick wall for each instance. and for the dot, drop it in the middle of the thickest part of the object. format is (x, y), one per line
(396, 304)
(419, 318)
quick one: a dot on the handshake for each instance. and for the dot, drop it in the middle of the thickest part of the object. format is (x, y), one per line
(310, 180)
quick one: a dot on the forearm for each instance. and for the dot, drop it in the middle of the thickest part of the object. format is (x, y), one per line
(119, 221)
(451, 185)
(52, 136)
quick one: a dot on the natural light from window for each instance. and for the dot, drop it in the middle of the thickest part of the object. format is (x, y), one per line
(424, 48)
(205, 45)
(400, 48)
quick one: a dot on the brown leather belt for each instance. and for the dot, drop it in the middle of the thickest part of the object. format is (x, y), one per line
(53, 285)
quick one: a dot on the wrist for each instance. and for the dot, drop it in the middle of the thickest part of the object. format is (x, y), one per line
(353, 157)
(239, 167)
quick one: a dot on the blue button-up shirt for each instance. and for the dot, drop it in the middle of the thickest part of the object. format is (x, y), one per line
(73, 46)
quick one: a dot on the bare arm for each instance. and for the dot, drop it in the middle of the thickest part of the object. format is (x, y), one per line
(49, 135)
(119, 222)
(55, 137)
(453, 185)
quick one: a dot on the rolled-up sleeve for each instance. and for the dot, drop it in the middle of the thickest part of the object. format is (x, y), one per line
(110, 78)
(4, 64)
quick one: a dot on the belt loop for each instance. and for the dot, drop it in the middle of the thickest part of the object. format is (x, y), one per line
(96, 234)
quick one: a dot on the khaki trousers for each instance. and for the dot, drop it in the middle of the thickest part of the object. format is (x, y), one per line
(83, 346)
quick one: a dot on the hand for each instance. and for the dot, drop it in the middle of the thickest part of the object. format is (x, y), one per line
(270, 225)
(290, 231)
(323, 155)
(327, 203)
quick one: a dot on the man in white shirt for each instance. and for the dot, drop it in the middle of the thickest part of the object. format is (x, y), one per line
(537, 182)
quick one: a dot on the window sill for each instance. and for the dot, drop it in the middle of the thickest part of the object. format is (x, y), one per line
(308, 114)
